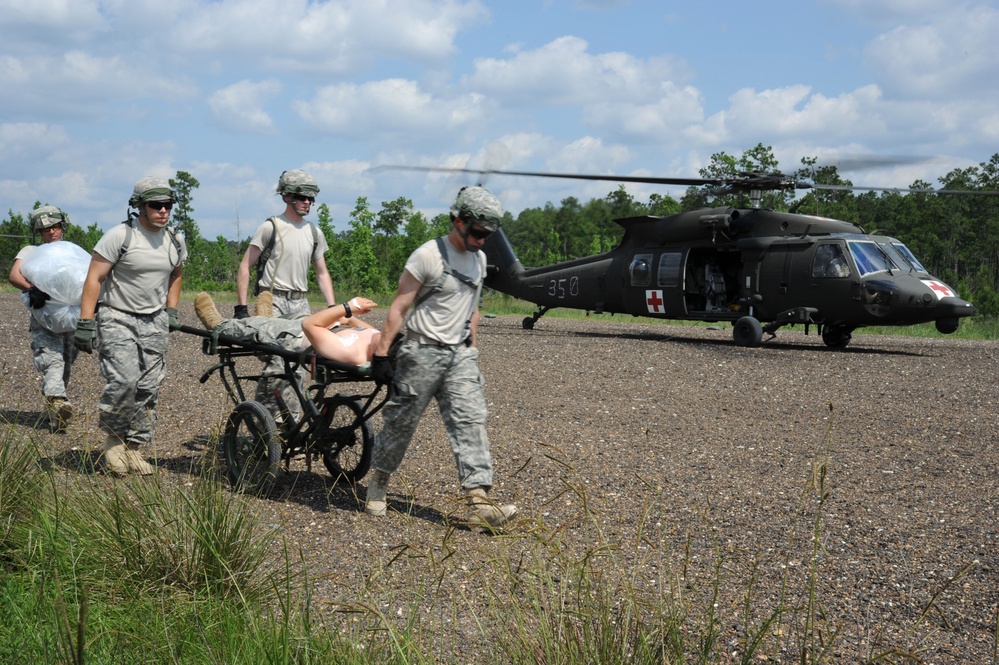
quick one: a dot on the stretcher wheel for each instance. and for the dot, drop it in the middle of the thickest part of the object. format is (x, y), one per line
(348, 445)
(252, 448)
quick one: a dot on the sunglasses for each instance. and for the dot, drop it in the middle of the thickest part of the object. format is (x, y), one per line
(479, 234)
(159, 205)
(303, 197)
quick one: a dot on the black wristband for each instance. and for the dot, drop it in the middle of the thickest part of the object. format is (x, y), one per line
(331, 306)
(346, 309)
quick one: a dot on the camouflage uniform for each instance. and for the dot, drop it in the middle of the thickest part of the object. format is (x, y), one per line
(271, 383)
(437, 359)
(284, 333)
(286, 276)
(132, 323)
(451, 374)
(133, 361)
(440, 288)
(54, 355)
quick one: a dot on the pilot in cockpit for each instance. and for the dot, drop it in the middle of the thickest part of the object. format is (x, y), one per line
(830, 262)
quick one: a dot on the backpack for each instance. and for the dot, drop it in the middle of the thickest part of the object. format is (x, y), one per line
(265, 254)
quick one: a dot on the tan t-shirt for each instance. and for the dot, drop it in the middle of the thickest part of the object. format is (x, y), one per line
(288, 266)
(442, 316)
(140, 278)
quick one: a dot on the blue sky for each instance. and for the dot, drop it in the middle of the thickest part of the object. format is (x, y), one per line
(97, 95)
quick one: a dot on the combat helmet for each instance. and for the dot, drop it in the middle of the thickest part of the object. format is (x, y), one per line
(477, 204)
(297, 181)
(151, 189)
(46, 217)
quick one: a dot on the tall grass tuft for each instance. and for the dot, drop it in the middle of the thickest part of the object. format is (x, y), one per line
(196, 539)
(21, 486)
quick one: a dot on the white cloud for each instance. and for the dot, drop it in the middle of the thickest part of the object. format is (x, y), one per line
(658, 120)
(239, 107)
(338, 37)
(954, 54)
(785, 113)
(78, 83)
(563, 72)
(394, 108)
(23, 143)
(36, 25)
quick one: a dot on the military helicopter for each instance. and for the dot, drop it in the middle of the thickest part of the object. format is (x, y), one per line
(758, 269)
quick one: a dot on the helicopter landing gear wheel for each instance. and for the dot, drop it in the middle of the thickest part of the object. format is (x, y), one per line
(349, 446)
(747, 331)
(837, 336)
(528, 323)
(252, 448)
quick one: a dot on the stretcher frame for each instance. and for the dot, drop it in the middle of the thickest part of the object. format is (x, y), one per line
(335, 427)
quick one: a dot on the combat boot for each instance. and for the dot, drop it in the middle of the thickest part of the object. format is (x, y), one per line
(486, 515)
(376, 506)
(265, 304)
(114, 456)
(134, 461)
(59, 411)
(206, 310)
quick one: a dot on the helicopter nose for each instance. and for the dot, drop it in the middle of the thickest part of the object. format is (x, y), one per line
(953, 308)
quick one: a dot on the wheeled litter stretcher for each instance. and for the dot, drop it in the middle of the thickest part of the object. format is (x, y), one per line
(337, 427)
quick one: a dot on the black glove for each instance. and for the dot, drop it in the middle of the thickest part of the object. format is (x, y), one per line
(382, 370)
(174, 318)
(83, 339)
(37, 297)
(241, 312)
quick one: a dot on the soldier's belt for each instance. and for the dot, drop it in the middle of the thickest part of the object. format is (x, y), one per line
(289, 295)
(428, 341)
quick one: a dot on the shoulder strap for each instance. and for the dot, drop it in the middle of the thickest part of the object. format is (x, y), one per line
(130, 229)
(265, 255)
(439, 283)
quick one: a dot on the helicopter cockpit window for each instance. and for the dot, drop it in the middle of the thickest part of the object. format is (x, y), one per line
(641, 270)
(909, 256)
(830, 262)
(669, 269)
(869, 257)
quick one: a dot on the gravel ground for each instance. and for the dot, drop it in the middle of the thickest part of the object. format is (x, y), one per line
(678, 462)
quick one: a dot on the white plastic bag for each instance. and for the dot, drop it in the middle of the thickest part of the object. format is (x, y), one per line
(59, 269)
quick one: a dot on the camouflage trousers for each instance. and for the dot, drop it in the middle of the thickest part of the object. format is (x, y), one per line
(133, 350)
(452, 376)
(271, 384)
(54, 355)
(284, 333)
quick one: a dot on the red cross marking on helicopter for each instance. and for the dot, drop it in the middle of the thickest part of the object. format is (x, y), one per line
(654, 301)
(941, 289)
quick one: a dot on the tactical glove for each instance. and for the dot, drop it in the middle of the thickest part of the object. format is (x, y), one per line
(86, 331)
(37, 297)
(381, 369)
(241, 312)
(174, 318)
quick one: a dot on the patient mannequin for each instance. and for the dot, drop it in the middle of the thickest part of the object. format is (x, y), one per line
(334, 332)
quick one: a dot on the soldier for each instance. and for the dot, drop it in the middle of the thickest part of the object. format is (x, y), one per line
(53, 352)
(282, 249)
(133, 287)
(441, 284)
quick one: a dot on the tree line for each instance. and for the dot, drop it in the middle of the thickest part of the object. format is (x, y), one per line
(955, 237)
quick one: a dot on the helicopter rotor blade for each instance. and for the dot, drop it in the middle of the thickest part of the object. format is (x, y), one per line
(898, 190)
(686, 182)
(741, 182)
